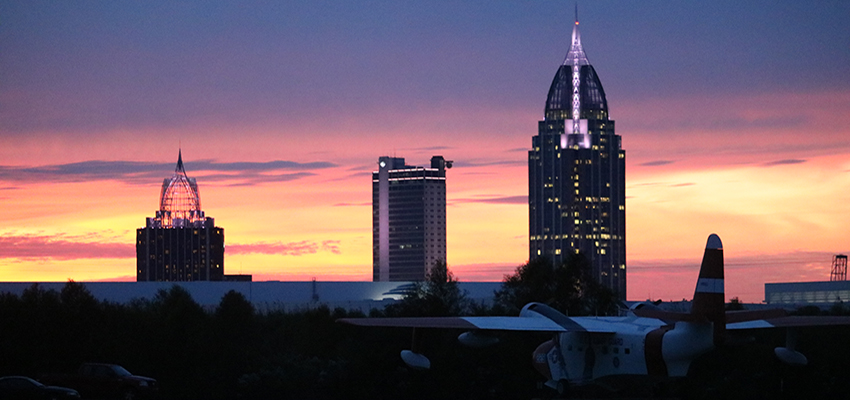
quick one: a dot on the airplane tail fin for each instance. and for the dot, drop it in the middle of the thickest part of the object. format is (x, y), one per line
(709, 296)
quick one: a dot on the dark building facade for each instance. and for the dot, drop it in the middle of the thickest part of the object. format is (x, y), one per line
(408, 218)
(180, 243)
(577, 175)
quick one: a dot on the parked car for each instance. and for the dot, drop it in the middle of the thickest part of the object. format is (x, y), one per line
(105, 381)
(23, 388)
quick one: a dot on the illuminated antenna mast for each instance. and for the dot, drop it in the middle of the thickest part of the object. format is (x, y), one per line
(576, 76)
(839, 268)
(576, 59)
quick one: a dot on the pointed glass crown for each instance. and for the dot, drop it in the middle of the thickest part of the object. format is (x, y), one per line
(576, 54)
(591, 96)
(180, 203)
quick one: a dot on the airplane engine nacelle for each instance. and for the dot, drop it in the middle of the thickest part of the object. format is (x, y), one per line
(415, 360)
(476, 340)
(790, 357)
(540, 359)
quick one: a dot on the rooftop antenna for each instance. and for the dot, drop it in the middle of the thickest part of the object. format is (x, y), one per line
(839, 268)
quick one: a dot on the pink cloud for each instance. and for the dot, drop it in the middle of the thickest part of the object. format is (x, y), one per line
(60, 247)
(331, 246)
(675, 279)
(286, 249)
(300, 277)
(488, 272)
(64, 247)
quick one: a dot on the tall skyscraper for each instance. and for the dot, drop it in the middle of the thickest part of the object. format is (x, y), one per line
(408, 218)
(577, 175)
(180, 243)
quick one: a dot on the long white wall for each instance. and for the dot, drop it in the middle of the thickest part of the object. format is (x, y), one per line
(265, 296)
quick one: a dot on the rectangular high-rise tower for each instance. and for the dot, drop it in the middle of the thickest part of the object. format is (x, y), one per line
(408, 218)
(189, 253)
(577, 176)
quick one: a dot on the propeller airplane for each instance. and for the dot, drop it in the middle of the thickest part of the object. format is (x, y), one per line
(647, 341)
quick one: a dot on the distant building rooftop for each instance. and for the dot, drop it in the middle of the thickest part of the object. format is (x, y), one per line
(807, 293)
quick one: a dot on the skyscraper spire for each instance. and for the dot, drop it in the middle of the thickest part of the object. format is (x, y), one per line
(575, 59)
(179, 168)
(576, 54)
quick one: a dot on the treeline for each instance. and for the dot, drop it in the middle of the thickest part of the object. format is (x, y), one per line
(235, 352)
(229, 353)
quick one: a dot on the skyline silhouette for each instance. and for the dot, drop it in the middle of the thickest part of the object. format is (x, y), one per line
(735, 119)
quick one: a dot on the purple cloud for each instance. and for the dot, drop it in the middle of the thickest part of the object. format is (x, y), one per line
(789, 161)
(495, 200)
(656, 163)
(144, 173)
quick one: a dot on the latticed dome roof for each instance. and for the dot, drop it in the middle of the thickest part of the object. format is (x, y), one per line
(180, 203)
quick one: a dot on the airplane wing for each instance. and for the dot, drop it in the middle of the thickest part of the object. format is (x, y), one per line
(790, 322)
(527, 324)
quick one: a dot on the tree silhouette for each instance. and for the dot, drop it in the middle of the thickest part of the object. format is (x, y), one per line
(183, 341)
(568, 287)
(438, 295)
(235, 333)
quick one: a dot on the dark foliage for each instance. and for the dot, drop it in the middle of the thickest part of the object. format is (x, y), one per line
(437, 296)
(568, 287)
(234, 352)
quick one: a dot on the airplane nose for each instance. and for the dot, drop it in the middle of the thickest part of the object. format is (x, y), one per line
(540, 359)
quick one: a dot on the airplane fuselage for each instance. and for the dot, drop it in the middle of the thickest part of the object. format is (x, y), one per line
(637, 346)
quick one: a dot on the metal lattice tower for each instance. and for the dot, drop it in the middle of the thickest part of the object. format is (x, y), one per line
(839, 268)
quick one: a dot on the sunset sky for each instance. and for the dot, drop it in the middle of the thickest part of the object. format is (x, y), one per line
(735, 118)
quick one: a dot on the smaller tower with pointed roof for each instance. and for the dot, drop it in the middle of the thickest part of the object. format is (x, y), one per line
(180, 243)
